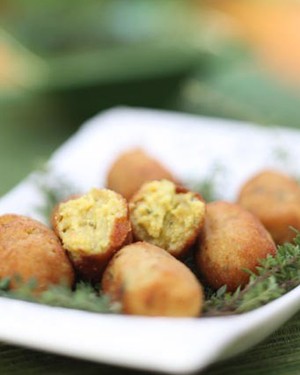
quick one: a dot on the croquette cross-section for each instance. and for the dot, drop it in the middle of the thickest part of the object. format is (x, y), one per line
(92, 228)
(167, 216)
(29, 250)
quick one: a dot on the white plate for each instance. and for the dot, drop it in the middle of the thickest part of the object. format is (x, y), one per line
(190, 146)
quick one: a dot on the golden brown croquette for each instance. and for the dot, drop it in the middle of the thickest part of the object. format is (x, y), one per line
(275, 199)
(92, 228)
(232, 240)
(167, 216)
(132, 169)
(30, 250)
(146, 280)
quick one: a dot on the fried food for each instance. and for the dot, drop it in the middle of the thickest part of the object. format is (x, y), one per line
(29, 250)
(132, 169)
(232, 239)
(167, 216)
(92, 228)
(146, 280)
(275, 199)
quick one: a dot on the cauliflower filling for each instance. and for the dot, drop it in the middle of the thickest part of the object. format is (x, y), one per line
(86, 224)
(164, 217)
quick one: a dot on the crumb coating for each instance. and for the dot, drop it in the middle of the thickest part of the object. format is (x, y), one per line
(132, 169)
(232, 240)
(146, 280)
(275, 199)
(30, 250)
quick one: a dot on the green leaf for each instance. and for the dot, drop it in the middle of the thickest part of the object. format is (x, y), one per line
(234, 85)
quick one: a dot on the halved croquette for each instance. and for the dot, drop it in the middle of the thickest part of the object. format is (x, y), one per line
(92, 228)
(167, 216)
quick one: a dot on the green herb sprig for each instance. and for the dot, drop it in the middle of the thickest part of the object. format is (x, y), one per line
(207, 186)
(84, 297)
(276, 275)
(53, 189)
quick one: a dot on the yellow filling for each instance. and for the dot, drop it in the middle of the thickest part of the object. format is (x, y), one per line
(87, 223)
(164, 217)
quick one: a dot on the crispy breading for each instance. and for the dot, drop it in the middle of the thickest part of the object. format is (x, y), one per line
(232, 240)
(146, 280)
(133, 168)
(275, 199)
(30, 250)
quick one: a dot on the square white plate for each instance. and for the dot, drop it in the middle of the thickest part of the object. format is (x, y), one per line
(190, 146)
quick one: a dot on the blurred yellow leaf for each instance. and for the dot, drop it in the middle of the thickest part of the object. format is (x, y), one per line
(19, 68)
(272, 28)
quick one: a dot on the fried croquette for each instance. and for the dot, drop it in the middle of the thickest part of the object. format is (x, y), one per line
(275, 199)
(92, 228)
(167, 216)
(31, 251)
(132, 169)
(232, 240)
(146, 280)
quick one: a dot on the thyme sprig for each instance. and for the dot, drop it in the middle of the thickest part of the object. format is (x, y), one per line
(210, 184)
(53, 189)
(84, 297)
(276, 275)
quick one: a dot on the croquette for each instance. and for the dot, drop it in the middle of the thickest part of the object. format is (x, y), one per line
(132, 169)
(92, 228)
(146, 280)
(232, 240)
(31, 251)
(275, 199)
(167, 216)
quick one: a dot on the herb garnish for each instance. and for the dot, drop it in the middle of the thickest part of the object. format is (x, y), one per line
(53, 189)
(207, 186)
(84, 297)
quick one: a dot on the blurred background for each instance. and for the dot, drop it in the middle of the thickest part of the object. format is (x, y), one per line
(62, 62)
